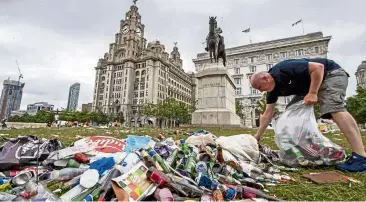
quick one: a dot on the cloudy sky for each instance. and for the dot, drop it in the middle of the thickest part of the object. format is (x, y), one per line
(57, 43)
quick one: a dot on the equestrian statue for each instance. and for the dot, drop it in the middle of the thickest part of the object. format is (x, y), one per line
(215, 42)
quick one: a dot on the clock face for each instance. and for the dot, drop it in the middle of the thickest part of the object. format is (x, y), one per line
(138, 31)
(125, 29)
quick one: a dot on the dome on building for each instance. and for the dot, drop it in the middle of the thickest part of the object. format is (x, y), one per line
(362, 66)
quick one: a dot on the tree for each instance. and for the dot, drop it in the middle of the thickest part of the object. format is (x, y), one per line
(239, 107)
(169, 109)
(262, 106)
(356, 105)
(41, 117)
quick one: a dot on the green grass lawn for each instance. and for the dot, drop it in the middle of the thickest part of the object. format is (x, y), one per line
(301, 189)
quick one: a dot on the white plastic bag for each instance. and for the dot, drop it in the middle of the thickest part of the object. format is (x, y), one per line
(300, 142)
(244, 147)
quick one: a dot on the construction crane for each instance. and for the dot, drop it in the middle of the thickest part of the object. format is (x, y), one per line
(20, 73)
(15, 95)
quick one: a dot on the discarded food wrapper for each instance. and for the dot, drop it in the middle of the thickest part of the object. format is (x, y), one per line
(135, 182)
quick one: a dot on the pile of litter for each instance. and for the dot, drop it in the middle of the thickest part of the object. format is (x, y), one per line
(139, 168)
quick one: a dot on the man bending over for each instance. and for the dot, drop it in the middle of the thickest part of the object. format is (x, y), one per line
(314, 80)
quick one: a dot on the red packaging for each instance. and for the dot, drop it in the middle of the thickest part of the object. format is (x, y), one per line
(81, 158)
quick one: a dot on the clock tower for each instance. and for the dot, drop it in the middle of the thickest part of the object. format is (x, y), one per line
(131, 34)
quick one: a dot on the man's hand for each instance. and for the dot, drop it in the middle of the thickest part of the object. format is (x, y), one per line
(256, 136)
(311, 98)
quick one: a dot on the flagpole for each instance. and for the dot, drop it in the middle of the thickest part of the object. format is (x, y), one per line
(250, 35)
(302, 24)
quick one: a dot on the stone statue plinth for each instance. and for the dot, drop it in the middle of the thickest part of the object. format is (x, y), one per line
(216, 97)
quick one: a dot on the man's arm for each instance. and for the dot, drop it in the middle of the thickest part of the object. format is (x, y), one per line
(265, 119)
(316, 71)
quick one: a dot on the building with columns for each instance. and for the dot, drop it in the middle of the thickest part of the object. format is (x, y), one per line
(243, 61)
(134, 72)
(361, 75)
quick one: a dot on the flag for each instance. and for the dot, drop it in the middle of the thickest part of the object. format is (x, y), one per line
(297, 22)
(246, 31)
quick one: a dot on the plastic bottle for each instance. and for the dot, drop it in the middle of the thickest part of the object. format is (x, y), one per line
(131, 160)
(148, 160)
(162, 180)
(220, 156)
(184, 146)
(158, 159)
(249, 169)
(190, 165)
(172, 158)
(227, 180)
(239, 192)
(70, 184)
(72, 193)
(67, 173)
(107, 186)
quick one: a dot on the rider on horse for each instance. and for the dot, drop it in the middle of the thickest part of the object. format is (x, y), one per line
(217, 33)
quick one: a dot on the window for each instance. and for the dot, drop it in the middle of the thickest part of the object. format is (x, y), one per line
(236, 61)
(252, 59)
(237, 81)
(283, 54)
(136, 86)
(269, 66)
(299, 52)
(238, 91)
(135, 101)
(316, 49)
(269, 56)
(237, 70)
(142, 94)
(249, 77)
(253, 69)
(253, 91)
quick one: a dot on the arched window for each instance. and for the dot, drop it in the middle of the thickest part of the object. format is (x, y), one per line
(143, 73)
(103, 78)
(137, 73)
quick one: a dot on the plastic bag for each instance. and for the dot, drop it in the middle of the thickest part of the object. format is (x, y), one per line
(244, 147)
(300, 142)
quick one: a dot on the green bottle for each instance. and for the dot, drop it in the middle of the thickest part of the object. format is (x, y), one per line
(190, 165)
(172, 158)
(185, 148)
(158, 159)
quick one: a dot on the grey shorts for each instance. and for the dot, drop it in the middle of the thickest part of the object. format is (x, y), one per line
(331, 93)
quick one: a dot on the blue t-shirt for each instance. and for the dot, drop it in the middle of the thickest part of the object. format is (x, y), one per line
(292, 77)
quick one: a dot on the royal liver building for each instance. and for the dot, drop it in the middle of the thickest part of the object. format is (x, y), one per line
(134, 72)
(244, 60)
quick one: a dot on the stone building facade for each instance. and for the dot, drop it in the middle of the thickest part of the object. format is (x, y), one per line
(134, 72)
(245, 60)
(361, 75)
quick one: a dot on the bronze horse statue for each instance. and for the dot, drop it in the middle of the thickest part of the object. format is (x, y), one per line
(215, 42)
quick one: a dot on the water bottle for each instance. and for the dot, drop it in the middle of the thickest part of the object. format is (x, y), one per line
(67, 173)
(131, 160)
